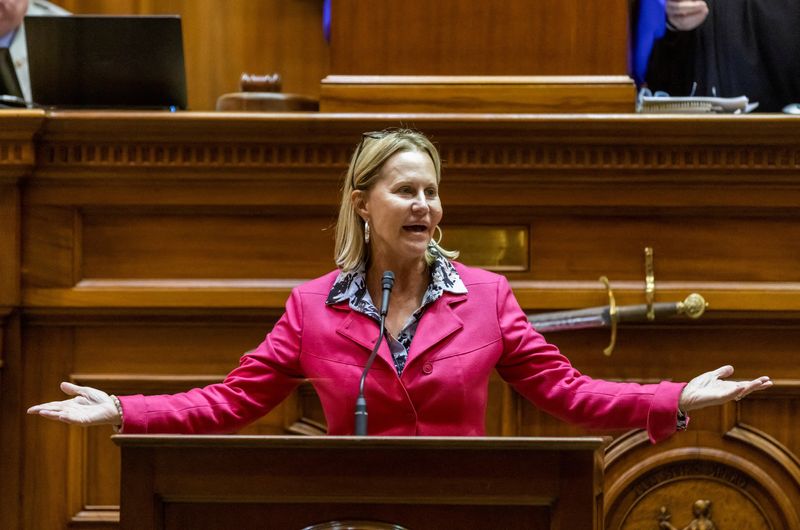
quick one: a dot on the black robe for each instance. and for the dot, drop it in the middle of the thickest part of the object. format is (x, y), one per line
(745, 47)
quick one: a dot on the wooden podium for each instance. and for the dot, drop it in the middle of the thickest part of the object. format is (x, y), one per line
(473, 56)
(292, 482)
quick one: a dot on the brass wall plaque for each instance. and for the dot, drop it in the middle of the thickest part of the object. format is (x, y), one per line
(497, 248)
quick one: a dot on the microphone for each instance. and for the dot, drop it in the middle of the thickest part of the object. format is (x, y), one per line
(387, 282)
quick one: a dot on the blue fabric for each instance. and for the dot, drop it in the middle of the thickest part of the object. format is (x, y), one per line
(326, 19)
(5, 40)
(651, 24)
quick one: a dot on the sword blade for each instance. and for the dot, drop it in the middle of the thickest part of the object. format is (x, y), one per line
(600, 317)
(593, 317)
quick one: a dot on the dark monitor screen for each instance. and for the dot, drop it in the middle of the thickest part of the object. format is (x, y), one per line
(9, 84)
(106, 61)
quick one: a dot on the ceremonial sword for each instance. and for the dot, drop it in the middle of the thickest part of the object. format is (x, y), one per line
(602, 317)
(610, 315)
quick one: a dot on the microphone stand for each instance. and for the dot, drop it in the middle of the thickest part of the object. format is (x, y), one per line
(387, 282)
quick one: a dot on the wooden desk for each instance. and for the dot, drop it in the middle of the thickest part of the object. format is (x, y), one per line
(244, 482)
(144, 252)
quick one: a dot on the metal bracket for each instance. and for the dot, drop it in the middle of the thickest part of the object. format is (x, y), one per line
(649, 283)
(612, 313)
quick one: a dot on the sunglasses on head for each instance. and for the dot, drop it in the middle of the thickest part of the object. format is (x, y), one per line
(371, 135)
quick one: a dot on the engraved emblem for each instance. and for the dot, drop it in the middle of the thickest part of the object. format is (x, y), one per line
(701, 509)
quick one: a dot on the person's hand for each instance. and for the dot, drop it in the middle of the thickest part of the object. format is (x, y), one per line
(710, 389)
(11, 14)
(90, 406)
(686, 15)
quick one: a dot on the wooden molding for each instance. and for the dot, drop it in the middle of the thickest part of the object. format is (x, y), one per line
(478, 94)
(96, 517)
(15, 152)
(523, 161)
(17, 129)
(529, 142)
(766, 444)
(781, 389)
(596, 164)
(145, 383)
(198, 156)
(272, 294)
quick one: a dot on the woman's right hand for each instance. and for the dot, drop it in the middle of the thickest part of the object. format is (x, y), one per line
(90, 406)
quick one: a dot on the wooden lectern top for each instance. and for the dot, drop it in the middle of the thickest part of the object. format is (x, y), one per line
(531, 443)
(418, 483)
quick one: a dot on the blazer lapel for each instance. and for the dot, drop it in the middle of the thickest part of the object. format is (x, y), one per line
(438, 322)
(362, 330)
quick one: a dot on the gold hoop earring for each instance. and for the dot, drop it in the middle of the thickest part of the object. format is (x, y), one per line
(436, 242)
(366, 232)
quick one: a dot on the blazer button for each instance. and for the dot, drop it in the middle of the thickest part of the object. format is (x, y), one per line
(427, 368)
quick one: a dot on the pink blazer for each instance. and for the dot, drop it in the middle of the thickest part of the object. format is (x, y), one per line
(443, 389)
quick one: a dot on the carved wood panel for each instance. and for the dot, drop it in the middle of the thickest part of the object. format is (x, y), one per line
(150, 262)
(743, 474)
(452, 37)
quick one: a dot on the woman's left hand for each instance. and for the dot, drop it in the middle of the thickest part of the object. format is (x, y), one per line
(90, 406)
(710, 389)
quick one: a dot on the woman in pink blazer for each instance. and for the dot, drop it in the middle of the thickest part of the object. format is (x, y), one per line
(448, 327)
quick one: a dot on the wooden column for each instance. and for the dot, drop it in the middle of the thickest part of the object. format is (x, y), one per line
(16, 163)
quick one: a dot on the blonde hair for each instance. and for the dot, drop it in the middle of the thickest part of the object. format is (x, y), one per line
(369, 157)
